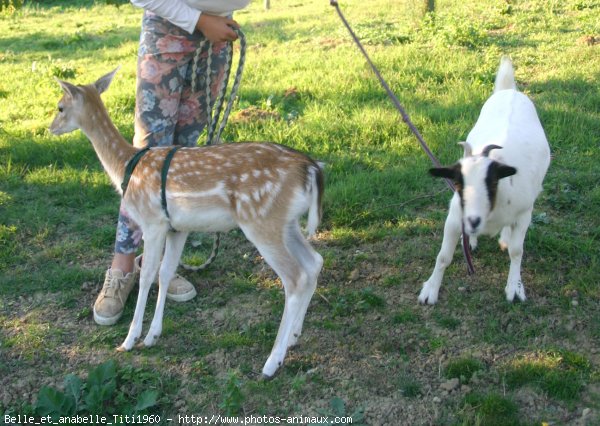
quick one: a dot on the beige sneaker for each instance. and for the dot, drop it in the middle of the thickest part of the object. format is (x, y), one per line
(180, 289)
(111, 300)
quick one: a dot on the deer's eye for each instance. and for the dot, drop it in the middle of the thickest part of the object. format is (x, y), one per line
(60, 109)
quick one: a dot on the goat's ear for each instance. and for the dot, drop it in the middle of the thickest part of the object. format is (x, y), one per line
(69, 89)
(451, 172)
(103, 82)
(502, 170)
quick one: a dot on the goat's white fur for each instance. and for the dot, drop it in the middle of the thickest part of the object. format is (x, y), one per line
(509, 120)
(262, 188)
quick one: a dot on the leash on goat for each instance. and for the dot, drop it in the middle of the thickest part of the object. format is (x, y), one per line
(213, 135)
(409, 123)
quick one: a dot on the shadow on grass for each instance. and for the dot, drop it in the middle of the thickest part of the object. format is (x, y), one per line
(79, 43)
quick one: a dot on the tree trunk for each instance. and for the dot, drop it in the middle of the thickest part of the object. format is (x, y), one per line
(429, 6)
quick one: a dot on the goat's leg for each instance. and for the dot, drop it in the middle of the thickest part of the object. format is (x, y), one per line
(505, 236)
(514, 285)
(168, 266)
(452, 230)
(154, 244)
(311, 262)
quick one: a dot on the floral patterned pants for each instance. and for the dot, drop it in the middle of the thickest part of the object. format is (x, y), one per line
(167, 110)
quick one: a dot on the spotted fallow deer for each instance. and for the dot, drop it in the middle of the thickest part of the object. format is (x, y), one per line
(262, 188)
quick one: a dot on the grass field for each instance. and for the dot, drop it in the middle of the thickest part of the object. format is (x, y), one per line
(368, 349)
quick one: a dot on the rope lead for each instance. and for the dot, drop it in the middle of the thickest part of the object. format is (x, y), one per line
(214, 114)
(409, 123)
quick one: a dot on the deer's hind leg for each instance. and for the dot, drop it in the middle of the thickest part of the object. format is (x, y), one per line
(311, 262)
(295, 283)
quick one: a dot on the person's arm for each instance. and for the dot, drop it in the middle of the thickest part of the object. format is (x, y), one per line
(175, 11)
(217, 28)
(214, 28)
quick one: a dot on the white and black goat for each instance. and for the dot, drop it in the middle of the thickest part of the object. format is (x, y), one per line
(506, 157)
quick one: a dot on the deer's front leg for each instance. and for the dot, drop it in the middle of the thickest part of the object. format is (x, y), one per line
(153, 248)
(173, 250)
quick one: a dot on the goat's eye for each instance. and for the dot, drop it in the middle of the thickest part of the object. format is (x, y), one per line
(60, 109)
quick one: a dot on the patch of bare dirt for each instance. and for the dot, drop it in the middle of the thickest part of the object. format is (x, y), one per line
(590, 40)
(254, 114)
(359, 354)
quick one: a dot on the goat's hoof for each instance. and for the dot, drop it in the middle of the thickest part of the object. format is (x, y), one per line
(269, 370)
(516, 298)
(266, 377)
(426, 298)
(140, 345)
(121, 349)
(517, 290)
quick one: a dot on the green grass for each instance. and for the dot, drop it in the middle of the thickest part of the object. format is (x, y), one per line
(463, 368)
(491, 409)
(366, 344)
(561, 375)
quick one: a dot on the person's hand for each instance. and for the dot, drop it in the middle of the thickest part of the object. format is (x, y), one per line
(217, 28)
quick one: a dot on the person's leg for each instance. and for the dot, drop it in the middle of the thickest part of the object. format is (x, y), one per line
(127, 242)
(191, 119)
(168, 110)
(121, 277)
(162, 63)
(192, 115)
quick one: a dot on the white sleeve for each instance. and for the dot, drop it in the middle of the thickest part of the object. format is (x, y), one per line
(175, 11)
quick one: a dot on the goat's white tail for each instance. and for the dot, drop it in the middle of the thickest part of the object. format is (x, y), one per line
(316, 185)
(505, 78)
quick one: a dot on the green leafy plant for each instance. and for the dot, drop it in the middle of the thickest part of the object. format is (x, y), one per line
(233, 398)
(337, 408)
(97, 395)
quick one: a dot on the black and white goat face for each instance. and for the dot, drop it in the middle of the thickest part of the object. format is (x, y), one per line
(476, 180)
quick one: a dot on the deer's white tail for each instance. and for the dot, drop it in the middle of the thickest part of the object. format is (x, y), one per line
(316, 189)
(505, 78)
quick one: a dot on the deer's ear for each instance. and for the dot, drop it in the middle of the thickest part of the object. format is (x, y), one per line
(69, 89)
(103, 82)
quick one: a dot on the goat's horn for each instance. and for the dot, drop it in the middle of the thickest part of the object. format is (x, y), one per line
(468, 151)
(487, 149)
